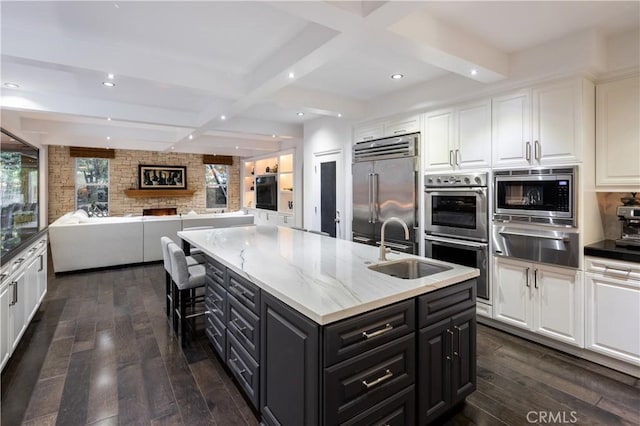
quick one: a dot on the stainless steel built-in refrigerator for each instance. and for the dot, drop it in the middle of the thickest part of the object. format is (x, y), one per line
(385, 185)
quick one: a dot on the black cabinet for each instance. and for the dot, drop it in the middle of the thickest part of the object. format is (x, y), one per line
(409, 361)
(446, 349)
(232, 325)
(290, 360)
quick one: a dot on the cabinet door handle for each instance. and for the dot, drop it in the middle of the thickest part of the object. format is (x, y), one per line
(451, 157)
(527, 282)
(535, 278)
(2, 276)
(370, 197)
(14, 298)
(450, 345)
(400, 131)
(457, 157)
(457, 353)
(367, 138)
(369, 335)
(537, 150)
(41, 263)
(238, 327)
(528, 151)
(233, 362)
(237, 290)
(387, 375)
(618, 270)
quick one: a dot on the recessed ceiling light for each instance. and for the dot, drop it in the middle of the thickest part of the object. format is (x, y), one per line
(107, 147)
(223, 117)
(116, 5)
(237, 147)
(291, 75)
(190, 137)
(110, 76)
(397, 76)
(473, 72)
(11, 85)
(339, 115)
(300, 114)
(108, 138)
(108, 118)
(173, 147)
(273, 136)
(108, 83)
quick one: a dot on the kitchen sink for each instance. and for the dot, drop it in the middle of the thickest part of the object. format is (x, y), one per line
(409, 269)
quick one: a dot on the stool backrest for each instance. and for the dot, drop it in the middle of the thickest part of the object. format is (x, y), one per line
(179, 269)
(165, 241)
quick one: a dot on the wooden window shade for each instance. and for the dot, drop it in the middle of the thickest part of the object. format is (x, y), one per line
(76, 151)
(226, 160)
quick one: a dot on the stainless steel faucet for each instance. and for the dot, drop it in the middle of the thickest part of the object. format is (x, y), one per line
(383, 249)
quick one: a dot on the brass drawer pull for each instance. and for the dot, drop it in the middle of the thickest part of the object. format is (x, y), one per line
(388, 374)
(387, 327)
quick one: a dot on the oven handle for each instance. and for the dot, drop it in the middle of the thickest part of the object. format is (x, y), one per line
(451, 242)
(479, 190)
(525, 234)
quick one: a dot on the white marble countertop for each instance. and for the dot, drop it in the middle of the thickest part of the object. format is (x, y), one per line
(326, 279)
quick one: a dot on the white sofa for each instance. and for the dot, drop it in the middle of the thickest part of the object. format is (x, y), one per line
(80, 242)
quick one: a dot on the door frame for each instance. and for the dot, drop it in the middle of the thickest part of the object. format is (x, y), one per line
(324, 157)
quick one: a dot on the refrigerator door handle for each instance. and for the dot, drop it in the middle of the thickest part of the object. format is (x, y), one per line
(370, 182)
(375, 198)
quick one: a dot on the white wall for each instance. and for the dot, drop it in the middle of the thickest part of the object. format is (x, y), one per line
(322, 135)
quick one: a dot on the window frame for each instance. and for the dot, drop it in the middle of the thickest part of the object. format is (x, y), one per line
(207, 186)
(87, 184)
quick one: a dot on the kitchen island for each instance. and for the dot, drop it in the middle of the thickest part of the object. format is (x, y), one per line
(313, 336)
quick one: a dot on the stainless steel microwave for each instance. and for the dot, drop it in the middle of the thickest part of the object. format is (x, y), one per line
(536, 195)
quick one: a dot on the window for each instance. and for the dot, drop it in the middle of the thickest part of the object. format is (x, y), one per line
(92, 185)
(216, 181)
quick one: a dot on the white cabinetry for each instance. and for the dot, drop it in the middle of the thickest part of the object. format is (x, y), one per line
(613, 308)
(543, 125)
(22, 288)
(459, 137)
(618, 134)
(281, 167)
(392, 127)
(544, 299)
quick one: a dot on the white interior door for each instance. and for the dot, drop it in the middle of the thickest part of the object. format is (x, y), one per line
(328, 185)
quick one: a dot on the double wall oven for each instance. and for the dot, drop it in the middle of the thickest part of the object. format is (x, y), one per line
(457, 222)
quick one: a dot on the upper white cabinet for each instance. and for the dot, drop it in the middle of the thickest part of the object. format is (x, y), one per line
(458, 137)
(381, 129)
(544, 299)
(511, 129)
(618, 134)
(543, 125)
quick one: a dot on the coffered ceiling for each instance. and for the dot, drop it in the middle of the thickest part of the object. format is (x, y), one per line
(234, 75)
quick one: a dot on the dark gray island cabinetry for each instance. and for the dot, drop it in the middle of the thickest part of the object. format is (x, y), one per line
(402, 364)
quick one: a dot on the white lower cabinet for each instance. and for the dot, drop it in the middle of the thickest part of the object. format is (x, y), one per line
(544, 299)
(23, 286)
(613, 309)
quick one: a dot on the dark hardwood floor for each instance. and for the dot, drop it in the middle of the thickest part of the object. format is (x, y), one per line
(101, 352)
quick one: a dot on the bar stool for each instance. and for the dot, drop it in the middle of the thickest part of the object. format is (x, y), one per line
(166, 258)
(185, 281)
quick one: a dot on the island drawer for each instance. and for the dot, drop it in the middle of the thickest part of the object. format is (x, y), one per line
(244, 369)
(354, 336)
(363, 381)
(245, 327)
(246, 292)
(399, 410)
(215, 270)
(215, 300)
(444, 302)
(216, 333)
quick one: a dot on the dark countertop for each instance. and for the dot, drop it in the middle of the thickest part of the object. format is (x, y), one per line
(608, 249)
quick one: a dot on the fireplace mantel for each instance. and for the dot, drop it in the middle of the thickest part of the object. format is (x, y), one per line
(159, 193)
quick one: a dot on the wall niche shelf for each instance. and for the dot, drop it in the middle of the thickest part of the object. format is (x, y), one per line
(156, 193)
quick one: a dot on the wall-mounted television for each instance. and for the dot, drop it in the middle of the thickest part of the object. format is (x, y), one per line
(267, 192)
(19, 184)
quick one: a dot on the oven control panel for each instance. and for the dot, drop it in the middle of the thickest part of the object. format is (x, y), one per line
(464, 180)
